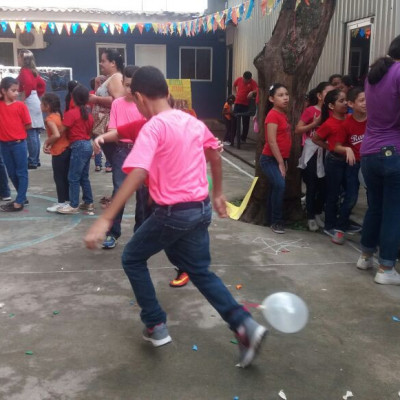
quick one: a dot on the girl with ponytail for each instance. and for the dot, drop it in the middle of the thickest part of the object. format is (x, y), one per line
(78, 123)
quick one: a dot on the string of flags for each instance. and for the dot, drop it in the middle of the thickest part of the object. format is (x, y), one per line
(209, 23)
(361, 32)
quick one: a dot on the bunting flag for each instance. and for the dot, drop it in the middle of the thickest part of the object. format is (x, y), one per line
(208, 23)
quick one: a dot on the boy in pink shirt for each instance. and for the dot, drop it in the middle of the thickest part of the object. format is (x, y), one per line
(172, 150)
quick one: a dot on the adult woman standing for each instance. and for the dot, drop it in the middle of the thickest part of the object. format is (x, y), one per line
(31, 86)
(111, 66)
(380, 164)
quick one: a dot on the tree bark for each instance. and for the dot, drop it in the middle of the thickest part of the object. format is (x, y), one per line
(290, 58)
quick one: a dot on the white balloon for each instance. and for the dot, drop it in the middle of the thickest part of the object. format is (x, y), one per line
(285, 311)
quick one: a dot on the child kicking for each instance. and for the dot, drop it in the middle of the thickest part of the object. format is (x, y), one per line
(172, 150)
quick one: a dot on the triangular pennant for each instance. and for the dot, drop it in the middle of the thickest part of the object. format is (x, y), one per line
(68, 28)
(147, 26)
(59, 26)
(105, 27)
(95, 27)
(118, 28)
(74, 27)
(125, 27)
(111, 27)
(3, 25)
(132, 27)
(28, 26)
(155, 27)
(222, 20)
(214, 22)
(140, 27)
(234, 16)
(21, 26)
(240, 12)
(52, 27)
(84, 26)
(36, 25)
(43, 27)
(12, 25)
(250, 9)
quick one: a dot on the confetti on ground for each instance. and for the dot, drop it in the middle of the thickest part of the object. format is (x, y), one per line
(29, 353)
(238, 287)
(282, 395)
(11, 315)
(285, 251)
(347, 395)
(396, 319)
(194, 348)
(234, 341)
(56, 312)
(132, 302)
(2, 305)
(236, 398)
(98, 289)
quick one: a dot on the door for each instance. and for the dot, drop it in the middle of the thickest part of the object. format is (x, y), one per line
(359, 37)
(151, 54)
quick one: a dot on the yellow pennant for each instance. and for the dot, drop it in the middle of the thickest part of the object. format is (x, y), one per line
(84, 26)
(12, 25)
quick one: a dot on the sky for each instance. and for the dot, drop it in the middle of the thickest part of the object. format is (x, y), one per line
(195, 6)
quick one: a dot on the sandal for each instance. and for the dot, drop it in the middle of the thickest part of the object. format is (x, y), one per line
(9, 207)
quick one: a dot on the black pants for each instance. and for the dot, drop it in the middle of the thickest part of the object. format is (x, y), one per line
(315, 188)
(241, 108)
(109, 149)
(229, 136)
(60, 166)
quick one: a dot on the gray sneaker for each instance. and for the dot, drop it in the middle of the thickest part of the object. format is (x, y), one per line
(250, 335)
(158, 335)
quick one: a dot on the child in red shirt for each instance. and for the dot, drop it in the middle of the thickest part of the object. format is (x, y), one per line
(15, 121)
(273, 160)
(78, 123)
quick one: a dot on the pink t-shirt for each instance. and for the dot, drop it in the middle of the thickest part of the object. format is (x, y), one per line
(171, 148)
(123, 112)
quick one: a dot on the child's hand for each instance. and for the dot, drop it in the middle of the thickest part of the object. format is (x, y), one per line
(220, 147)
(219, 205)
(350, 158)
(46, 148)
(97, 144)
(97, 233)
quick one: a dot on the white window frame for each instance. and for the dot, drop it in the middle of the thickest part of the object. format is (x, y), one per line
(195, 48)
(360, 23)
(13, 42)
(108, 46)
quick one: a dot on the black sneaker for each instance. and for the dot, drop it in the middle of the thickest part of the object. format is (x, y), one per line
(31, 166)
(250, 335)
(9, 207)
(278, 228)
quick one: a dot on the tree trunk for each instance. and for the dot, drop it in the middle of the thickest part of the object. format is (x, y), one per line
(290, 58)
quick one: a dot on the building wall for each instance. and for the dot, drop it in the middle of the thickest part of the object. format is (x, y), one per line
(79, 53)
(250, 36)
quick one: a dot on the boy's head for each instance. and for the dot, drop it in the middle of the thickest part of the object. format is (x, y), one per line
(231, 99)
(148, 85)
(356, 100)
(247, 76)
(336, 81)
(129, 71)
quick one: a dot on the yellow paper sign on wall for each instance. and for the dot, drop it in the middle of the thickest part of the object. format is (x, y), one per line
(181, 91)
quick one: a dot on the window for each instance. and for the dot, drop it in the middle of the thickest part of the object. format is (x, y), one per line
(8, 54)
(100, 47)
(196, 63)
(152, 54)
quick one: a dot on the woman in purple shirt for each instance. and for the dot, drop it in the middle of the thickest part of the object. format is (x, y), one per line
(380, 164)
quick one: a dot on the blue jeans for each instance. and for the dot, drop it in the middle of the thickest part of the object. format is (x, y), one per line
(4, 188)
(33, 141)
(381, 227)
(98, 159)
(118, 177)
(15, 156)
(78, 174)
(270, 168)
(183, 234)
(143, 209)
(339, 176)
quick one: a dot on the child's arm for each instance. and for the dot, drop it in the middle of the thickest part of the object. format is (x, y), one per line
(272, 130)
(219, 201)
(55, 135)
(28, 126)
(301, 127)
(98, 230)
(320, 142)
(110, 136)
(350, 158)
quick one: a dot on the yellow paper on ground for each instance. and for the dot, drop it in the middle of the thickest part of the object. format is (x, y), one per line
(236, 212)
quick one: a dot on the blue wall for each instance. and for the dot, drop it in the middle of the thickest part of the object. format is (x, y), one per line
(79, 53)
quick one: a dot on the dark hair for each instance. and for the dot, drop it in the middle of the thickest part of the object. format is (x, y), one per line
(354, 92)
(382, 65)
(231, 97)
(151, 82)
(272, 90)
(312, 97)
(334, 76)
(347, 80)
(130, 70)
(53, 101)
(92, 83)
(115, 55)
(6, 83)
(70, 86)
(80, 96)
(330, 98)
(247, 75)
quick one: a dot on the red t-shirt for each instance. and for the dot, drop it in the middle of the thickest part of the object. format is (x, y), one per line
(243, 89)
(79, 129)
(28, 82)
(351, 134)
(283, 137)
(13, 119)
(308, 117)
(131, 130)
(329, 131)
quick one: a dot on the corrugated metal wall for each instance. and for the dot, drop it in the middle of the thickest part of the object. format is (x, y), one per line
(251, 35)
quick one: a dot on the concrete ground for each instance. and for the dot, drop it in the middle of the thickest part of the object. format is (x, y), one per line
(75, 311)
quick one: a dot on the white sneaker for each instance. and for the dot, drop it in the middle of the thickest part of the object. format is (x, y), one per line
(67, 209)
(319, 220)
(387, 277)
(365, 263)
(226, 143)
(312, 225)
(54, 207)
